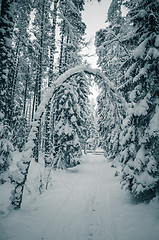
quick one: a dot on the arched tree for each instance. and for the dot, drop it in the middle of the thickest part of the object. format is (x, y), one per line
(20, 176)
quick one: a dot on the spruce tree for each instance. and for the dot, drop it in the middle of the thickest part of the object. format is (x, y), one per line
(41, 30)
(51, 78)
(6, 149)
(140, 135)
(6, 30)
(68, 117)
(67, 148)
(112, 53)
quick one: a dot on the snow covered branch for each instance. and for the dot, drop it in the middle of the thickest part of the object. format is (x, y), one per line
(27, 154)
(69, 73)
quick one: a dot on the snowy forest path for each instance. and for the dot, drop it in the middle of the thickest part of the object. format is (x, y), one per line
(84, 203)
(84, 212)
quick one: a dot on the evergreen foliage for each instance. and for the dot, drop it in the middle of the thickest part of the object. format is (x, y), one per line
(6, 149)
(130, 59)
(69, 106)
(139, 138)
(112, 53)
(6, 31)
(67, 148)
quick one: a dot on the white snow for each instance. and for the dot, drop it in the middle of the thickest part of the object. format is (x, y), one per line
(140, 50)
(68, 129)
(154, 123)
(8, 42)
(130, 70)
(139, 160)
(152, 53)
(141, 107)
(157, 41)
(83, 203)
(146, 180)
(76, 139)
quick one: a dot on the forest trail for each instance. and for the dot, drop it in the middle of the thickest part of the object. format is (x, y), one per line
(84, 203)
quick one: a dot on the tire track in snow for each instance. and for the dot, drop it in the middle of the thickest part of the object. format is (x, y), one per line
(102, 225)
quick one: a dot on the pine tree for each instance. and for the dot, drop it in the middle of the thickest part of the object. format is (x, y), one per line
(110, 113)
(69, 118)
(52, 75)
(6, 31)
(67, 148)
(92, 129)
(112, 54)
(19, 42)
(19, 75)
(83, 83)
(72, 30)
(6, 149)
(140, 135)
(41, 30)
(11, 16)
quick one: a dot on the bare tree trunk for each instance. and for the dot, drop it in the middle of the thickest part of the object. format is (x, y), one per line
(39, 82)
(53, 46)
(61, 50)
(25, 92)
(40, 62)
(34, 100)
(30, 110)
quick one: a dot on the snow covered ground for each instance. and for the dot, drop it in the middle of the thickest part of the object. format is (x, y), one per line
(84, 203)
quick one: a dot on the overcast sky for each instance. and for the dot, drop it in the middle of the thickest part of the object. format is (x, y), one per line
(94, 16)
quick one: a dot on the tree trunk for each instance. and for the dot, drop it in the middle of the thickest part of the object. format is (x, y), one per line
(34, 100)
(48, 160)
(25, 92)
(61, 50)
(52, 47)
(40, 61)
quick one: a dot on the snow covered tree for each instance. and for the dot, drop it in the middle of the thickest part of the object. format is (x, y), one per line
(112, 53)
(83, 83)
(111, 43)
(52, 43)
(6, 149)
(140, 134)
(110, 112)
(92, 135)
(71, 30)
(52, 75)
(19, 43)
(41, 30)
(6, 30)
(19, 75)
(68, 116)
(67, 148)
(12, 33)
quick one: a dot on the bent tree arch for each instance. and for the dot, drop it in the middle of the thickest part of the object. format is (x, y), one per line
(20, 176)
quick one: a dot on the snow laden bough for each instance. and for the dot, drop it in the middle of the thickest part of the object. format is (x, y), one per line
(20, 176)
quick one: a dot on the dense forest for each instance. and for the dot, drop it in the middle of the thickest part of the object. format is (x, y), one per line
(45, 111)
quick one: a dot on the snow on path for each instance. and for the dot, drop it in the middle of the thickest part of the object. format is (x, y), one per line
(85, 203)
